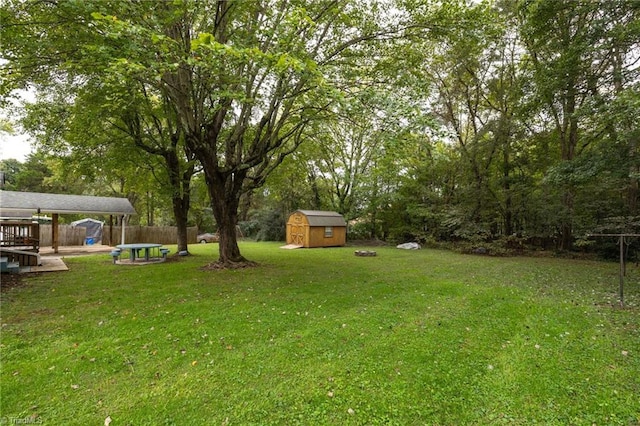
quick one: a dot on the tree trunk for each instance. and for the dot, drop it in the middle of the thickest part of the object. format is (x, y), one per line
(508, 217)
(180, 195)
(313, 183)
(225, 192)
(149, 209)
(229, 251)
(505, 136)
(569, 141)
(566, 237)
(180, 212)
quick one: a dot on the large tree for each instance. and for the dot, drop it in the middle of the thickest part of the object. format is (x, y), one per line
(242, 79)
(103, 125)
(579, 52)
(247, 83)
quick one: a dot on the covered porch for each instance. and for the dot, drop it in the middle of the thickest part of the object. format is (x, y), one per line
(19, 239)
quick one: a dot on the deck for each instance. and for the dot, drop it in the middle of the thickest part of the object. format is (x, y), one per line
(20, 242)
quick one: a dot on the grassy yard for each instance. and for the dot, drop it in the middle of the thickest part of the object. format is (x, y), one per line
(321, 336)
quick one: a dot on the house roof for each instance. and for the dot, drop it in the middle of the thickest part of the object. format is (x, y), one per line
(323, 218)
(34, 202)
(15, 215)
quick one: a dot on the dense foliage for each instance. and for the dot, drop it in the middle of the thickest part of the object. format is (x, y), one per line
(500, 121)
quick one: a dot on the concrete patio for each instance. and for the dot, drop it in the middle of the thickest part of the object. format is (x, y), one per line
(52, 262)
(69, 251)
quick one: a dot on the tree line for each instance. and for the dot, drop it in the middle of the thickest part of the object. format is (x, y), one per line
(511, 121)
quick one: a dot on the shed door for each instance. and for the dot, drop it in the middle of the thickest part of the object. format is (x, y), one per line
(297, 235)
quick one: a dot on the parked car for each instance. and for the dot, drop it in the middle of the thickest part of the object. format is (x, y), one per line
(208, 238)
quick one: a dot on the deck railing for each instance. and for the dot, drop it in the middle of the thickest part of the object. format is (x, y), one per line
(22, 235)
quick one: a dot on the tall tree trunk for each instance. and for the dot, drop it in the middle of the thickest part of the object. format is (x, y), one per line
(180, 212)
(228, 242)
(180, 196)
(506, 187)
(225, 193)
(313, 183)
(569, 141)
(505, 136)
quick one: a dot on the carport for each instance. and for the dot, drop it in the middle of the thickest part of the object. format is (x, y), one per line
(35, 203)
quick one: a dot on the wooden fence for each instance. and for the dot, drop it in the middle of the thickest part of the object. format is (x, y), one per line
(148, 234)
(67, 235)
(75, 236)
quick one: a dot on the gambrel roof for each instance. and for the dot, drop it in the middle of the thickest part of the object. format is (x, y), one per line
(35, 202)
(323, 218)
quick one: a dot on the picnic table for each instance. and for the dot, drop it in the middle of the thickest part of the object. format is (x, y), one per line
(135, 249)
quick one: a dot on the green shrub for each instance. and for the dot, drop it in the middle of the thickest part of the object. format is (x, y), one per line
(265, 225)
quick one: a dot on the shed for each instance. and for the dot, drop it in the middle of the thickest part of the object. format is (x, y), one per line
(313, 228)
(93, 227)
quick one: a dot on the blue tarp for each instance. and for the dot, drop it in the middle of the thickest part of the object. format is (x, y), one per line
(94, 229)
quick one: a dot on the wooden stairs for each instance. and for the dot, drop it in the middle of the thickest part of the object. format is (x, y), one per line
(6, 266)
(22, 257)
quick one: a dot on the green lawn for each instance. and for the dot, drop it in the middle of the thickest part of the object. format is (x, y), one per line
(320, 336)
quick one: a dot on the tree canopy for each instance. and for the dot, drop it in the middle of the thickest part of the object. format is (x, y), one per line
(415, 119)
